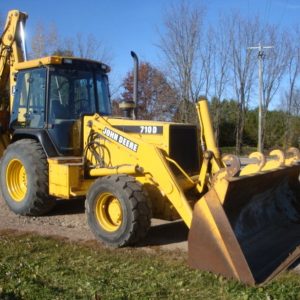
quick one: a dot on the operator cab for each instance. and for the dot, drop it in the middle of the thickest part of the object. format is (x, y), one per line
(54, 97)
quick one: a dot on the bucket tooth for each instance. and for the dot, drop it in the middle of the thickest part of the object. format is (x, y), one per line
(276, 162)
(256, 166)
(292, 156)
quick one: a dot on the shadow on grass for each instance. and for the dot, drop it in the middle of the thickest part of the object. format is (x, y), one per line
(9, 296)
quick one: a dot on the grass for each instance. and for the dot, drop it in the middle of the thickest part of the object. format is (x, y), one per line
(33, 267)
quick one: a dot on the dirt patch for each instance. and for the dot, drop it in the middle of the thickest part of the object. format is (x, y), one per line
(68, 220)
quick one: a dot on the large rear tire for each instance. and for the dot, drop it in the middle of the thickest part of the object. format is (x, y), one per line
(24, 178)
(118, 210)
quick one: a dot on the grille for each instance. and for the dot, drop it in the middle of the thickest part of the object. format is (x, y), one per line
(184, 148)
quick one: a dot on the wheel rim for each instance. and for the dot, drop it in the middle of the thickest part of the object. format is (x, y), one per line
(109, 212)
(16, 180)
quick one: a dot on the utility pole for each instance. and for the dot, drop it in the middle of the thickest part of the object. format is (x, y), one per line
(260, 56)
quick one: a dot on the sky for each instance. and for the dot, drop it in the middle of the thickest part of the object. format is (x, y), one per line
(125, 25)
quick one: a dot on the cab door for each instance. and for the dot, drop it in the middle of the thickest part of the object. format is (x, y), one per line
(29, 100)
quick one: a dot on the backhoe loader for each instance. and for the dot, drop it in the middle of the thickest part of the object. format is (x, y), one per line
(59, 140)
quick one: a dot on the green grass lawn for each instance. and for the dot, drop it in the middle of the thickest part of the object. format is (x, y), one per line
(33, 267)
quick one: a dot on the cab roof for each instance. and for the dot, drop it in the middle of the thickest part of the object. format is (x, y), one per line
(59, 60)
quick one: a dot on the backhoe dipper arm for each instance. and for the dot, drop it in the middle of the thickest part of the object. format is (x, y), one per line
(150, 160)
(11, 49)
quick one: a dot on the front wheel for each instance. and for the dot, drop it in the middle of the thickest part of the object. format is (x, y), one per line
(118, 210)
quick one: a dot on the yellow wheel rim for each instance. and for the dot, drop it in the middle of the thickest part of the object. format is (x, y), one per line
(16, 180)
(109, 212)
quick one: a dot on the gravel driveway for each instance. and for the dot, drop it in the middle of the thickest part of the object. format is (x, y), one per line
(68, 220)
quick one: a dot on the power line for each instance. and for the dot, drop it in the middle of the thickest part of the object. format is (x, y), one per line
(260, 56)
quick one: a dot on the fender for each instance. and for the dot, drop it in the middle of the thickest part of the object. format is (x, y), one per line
(40, 135)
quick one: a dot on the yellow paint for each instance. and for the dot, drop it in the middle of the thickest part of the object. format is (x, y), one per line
(220, 184)
(256, 166)
(202, 175)
(66, 178)
(208, 134)
(16, 180)
(10, 49)
(292, 156)
(109, 212)
(116, 170)
(152, 159)
(276, 162)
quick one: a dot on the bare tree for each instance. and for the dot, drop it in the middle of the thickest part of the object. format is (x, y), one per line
(45, 41)
(291, 98)
(38, 42)
(242, 34)
(180, 47)
(88, 46)
(275, 62)
(219, 70)
(48, 42)
(291, 105)
(204, 64)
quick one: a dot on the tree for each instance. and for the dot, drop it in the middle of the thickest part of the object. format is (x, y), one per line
(219, 70)
(44, 41)
(180, 44)
(157, 99)
(293, 69)
(88, 46)
(274, 69)
(227, 120)
(48, 42)
(242, 34)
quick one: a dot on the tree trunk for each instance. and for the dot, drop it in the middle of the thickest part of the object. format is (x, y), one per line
(263, 127)
(240, 124)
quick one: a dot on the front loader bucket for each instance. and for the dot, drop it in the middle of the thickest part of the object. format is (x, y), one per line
(248, 227)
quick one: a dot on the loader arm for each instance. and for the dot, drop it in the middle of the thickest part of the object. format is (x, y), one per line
(151, 162)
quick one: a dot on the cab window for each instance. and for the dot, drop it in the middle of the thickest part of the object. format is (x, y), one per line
(29, 100)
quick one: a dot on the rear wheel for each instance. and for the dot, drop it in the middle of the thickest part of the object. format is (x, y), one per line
(24, 178)
(118, 210)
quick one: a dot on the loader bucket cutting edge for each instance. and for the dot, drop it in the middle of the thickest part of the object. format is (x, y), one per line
(252, 233)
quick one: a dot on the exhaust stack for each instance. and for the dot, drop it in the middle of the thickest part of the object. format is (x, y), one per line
(129, 107)
(135, 82)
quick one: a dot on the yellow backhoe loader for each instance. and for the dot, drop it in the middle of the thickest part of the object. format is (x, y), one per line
(59, 141)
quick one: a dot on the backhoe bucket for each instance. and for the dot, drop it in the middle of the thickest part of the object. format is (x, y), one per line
(248, 227)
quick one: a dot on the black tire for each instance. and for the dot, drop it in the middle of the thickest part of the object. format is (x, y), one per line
(31, 197)
(127, 195)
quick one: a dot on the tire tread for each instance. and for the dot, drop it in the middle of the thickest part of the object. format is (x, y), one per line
(139, 203)
(40, 202)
